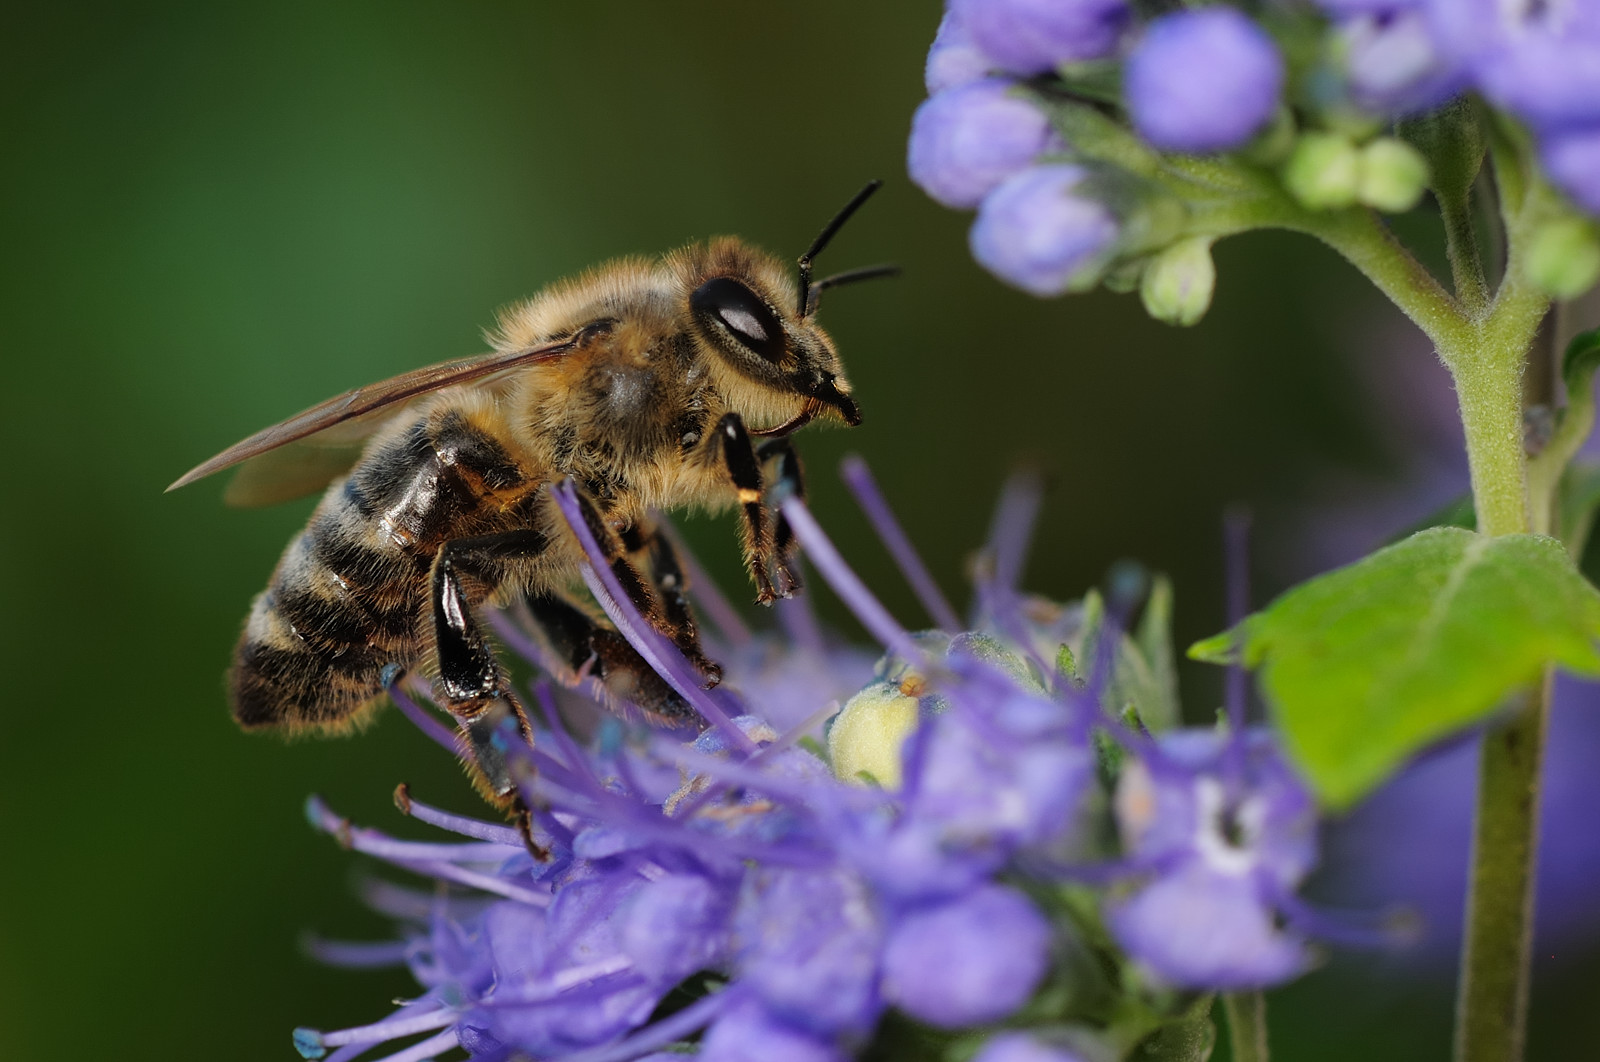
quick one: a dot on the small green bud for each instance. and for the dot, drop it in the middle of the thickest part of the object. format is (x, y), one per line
(1067, 664)
(1178, 282)
(1564, 257)
(1452, 141)
(864, 739)
(1323, 171)
(1124, 277)
(1393, 175)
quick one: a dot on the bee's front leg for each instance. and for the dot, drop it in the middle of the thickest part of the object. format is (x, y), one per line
(471, 684)
(788, 482)
(744, 469)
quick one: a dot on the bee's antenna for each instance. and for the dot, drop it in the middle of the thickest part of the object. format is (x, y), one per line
(849, 276)
(828, 232)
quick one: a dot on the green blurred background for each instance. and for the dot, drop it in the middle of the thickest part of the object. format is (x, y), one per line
(214, 215)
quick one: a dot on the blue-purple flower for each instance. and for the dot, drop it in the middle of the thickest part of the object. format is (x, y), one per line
(970, 960)
(789, 909)
(1225, 833)
(1538, 61)
(1204, 80)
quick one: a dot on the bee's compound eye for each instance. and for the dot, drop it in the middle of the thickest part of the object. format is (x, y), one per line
(742, 313)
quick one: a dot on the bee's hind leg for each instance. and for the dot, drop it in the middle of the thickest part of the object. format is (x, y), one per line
(471, 684)
(586, 647)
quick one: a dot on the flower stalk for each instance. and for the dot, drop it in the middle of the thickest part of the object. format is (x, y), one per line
(1247, 1025)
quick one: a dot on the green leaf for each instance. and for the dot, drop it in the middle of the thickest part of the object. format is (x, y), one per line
(1367, 664)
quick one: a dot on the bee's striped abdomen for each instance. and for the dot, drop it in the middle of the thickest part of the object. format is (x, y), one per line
(350, 596)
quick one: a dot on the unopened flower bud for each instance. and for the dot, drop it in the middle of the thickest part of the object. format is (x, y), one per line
(1323, 171)
(1201, 81)
(1178, 283)
(1564, 257)
(968, 139)
(953, 59)
(1393, 175)
(1038, 232)
(1030, 37)
(865, 737)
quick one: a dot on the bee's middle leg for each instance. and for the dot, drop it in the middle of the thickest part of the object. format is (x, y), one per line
(662, 605)
(471, 683)
(581, 645)
(666, 576)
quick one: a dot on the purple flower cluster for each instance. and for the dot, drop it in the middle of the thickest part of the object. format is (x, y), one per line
(1028, 100)
(1536, 59)
(732, 892)
(1197, 81)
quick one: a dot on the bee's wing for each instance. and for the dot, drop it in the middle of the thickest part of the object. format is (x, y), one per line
(304, 466)
(356, 414)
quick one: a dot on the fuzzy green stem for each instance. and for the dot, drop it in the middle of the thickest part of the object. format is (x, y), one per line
(1247, 1025)
(1497, 944)
(1492, 1000)
(1461, 247)
(1489, 389)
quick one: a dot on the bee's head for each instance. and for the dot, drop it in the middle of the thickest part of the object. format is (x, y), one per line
(748, 312)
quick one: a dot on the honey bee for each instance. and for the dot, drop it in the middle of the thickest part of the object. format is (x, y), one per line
(647, 383)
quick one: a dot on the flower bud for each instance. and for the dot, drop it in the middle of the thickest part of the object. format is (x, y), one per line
(1178, 283)
(1393, 175)
(966, 140)
(1564, 257)
(1323, 171)
(970, 961)
(1030, 37)
(1038, 232)
(864, 739)
(953, 59)
(1205, 80)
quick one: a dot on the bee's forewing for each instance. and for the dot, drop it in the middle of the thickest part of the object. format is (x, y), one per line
(359, 411)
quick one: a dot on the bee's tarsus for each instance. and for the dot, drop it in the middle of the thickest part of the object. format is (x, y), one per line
(523, 818)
